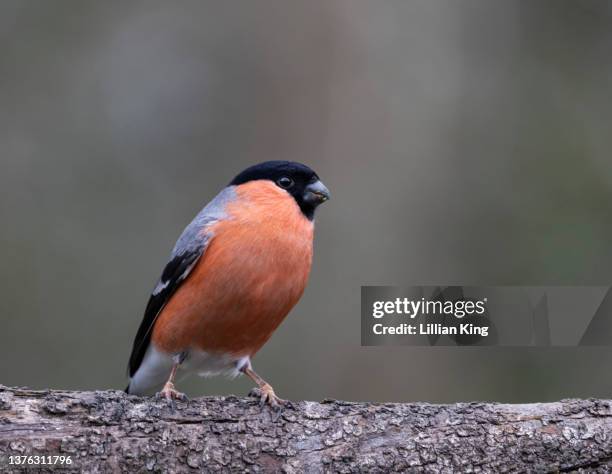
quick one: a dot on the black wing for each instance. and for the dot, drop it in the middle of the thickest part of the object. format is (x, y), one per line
(173, 275)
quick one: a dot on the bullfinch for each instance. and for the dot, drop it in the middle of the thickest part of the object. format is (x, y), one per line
(234, 274)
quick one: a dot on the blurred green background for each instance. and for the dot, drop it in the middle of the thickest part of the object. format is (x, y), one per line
(463, 142)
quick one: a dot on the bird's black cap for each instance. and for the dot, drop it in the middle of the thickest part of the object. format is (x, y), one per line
(296, 178)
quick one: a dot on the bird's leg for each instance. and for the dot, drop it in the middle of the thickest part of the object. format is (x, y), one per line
(266, 394)
(169, 392)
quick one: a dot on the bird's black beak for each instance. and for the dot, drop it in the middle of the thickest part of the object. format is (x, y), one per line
(316, 193)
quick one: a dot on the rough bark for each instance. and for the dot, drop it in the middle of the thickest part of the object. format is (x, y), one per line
(112, 432)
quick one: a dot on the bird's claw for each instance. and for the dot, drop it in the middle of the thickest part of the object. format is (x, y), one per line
(266, 395)
(170, 393)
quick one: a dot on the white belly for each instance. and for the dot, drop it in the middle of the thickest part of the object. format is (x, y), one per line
(206, 364)
(156, 366)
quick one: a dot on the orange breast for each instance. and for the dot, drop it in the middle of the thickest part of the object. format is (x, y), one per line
(253, 272)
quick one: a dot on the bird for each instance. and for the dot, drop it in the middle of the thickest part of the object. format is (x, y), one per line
(234, 274)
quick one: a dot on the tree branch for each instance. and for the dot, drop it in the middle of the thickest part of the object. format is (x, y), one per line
(112, 432)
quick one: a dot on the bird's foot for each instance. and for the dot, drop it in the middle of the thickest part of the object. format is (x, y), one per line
(266, 394)
(170, 393)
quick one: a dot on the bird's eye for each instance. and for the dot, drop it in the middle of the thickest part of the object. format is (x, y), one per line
(285, 182)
